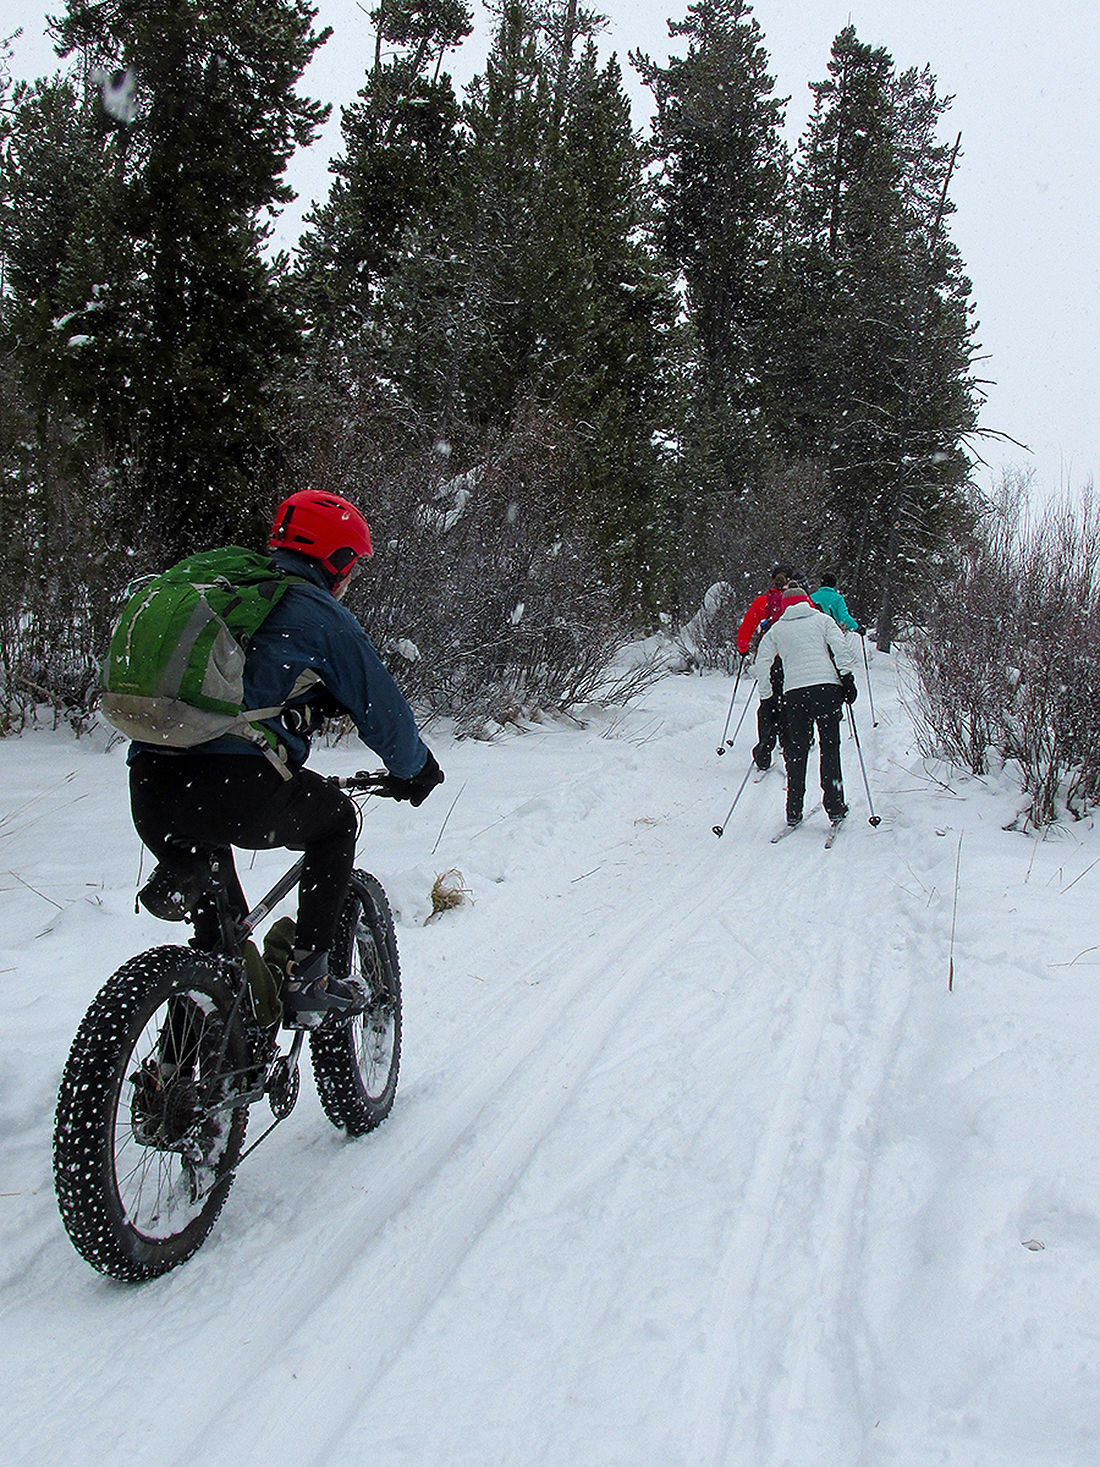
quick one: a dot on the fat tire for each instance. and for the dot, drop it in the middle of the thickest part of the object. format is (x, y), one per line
(95, 1128)
(356, 1062)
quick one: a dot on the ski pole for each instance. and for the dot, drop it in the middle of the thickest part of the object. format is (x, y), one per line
(740, 721)
(719, 829)
(875, 819)
(729, 715)
(870, 695)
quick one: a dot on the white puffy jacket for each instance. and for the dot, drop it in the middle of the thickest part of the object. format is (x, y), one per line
(802, 639)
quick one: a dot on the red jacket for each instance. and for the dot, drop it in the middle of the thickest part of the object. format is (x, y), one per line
(766, 608)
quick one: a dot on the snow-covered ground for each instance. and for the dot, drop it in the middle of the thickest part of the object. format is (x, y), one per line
(694, 1159)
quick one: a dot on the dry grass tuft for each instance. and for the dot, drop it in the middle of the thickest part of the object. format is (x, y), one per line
(449, 890)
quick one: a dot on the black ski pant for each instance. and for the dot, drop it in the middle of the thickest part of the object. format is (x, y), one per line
(803, 708)
(183, 803)
(769, 730)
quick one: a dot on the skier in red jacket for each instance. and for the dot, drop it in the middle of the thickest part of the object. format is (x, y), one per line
(764, 610)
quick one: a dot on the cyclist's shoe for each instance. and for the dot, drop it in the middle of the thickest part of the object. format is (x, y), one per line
(175, 887)
(311, 995)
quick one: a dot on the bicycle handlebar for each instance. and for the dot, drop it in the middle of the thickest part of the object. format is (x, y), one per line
(367, 782)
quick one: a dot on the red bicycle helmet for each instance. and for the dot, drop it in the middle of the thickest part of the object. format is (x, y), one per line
(324, 527)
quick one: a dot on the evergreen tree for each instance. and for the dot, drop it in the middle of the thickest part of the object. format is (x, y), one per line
(59, 527)
(197, 326)
(567, 303)
(888, 334)
(506, 246)
(724, 181)
(62, 258)
(375, 260)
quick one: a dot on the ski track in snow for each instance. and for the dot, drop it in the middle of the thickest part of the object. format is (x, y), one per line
(641, 1199)
(764, 1395)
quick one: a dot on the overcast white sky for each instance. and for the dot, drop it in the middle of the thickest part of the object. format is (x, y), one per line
(1028, 200)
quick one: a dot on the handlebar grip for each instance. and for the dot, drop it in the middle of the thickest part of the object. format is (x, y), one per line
(369, 781)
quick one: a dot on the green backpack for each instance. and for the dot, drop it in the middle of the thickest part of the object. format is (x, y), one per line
(174, 672)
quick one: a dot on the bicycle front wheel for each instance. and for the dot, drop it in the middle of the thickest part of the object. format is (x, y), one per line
(146, 1134)
(355, 1062)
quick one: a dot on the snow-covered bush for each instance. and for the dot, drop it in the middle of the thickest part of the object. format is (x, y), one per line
(708, 638)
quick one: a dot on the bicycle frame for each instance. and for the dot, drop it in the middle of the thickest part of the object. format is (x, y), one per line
(263, 908)
(235, 931)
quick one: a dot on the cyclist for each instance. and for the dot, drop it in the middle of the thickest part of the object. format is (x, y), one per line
(310, 658)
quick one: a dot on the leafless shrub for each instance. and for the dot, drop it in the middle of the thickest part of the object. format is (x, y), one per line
(733, 541)
(1051, 726)
(1010, 661)
(961, 653)
(56, 572)
(487, 592)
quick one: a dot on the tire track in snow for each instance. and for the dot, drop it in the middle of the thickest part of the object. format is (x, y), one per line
(489, 1135)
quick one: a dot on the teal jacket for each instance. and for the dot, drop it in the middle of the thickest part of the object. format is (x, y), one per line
(830, 601)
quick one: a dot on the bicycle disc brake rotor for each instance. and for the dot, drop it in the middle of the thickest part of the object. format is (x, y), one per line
(282, 1087)
(178, 1120)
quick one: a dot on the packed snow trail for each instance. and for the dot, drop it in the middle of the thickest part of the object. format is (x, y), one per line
(693, 1159)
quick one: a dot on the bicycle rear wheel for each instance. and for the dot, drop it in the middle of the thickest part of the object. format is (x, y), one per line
(146, 1135)
(356, 1062)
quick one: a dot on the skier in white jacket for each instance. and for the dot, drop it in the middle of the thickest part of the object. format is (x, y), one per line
(818, 679)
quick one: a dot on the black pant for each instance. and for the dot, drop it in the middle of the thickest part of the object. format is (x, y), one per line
(802, 709)
(769, 730)
(186, 802)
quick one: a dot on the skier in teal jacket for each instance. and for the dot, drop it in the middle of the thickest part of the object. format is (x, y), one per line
(829, 600)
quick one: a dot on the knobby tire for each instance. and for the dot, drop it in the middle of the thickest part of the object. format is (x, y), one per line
(143, 1169)
(356, 1062)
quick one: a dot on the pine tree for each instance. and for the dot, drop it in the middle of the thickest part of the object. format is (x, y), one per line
(567, 304)
(610, 314)
(888, 395)
(725, 169)
(198, 327)
(377, 254)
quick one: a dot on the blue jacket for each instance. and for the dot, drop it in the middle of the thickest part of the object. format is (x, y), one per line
(830, 601)
(311, 645)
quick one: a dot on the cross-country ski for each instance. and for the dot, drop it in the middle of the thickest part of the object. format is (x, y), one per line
(784, 830)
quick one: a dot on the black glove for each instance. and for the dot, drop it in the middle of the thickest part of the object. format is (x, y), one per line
(848, 691)
(417, 789)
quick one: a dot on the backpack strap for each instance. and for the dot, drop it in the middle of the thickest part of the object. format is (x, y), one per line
(247, 727)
